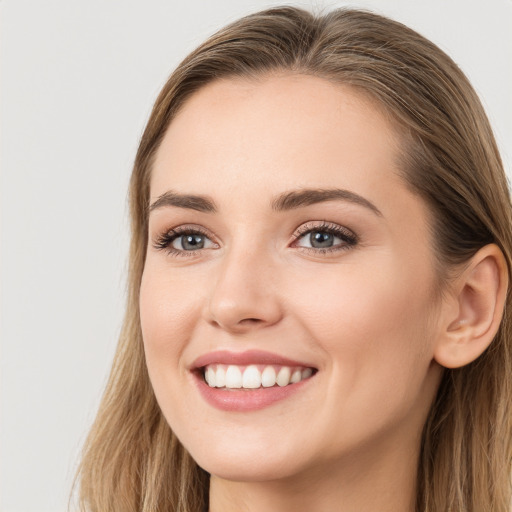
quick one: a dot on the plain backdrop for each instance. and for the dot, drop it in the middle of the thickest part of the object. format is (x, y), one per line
(78, 79)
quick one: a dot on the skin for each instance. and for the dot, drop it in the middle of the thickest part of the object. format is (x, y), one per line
(366, 315)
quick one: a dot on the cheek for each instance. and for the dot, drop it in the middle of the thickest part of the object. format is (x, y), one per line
(168, 310)
(351, 303)
(374, 329)
(168, 313)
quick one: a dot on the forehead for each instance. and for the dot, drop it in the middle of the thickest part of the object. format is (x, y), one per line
(283, 131)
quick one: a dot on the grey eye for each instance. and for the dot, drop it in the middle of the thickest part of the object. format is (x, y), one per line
(191, 242)
(321, 239)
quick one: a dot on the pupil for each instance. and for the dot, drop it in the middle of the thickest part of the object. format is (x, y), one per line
(192, 242)
(321, 239)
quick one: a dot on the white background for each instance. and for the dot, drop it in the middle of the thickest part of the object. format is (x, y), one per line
(78, 79)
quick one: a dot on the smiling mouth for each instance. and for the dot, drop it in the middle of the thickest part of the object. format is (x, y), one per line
(253, 376)
(249, 381)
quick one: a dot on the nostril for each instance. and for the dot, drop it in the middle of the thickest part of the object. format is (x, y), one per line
(243, 322)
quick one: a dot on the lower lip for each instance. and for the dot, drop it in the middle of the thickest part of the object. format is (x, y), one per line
(242, 400)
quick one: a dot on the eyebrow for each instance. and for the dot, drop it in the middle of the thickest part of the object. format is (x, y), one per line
(189, 201)
(306, 197)
(285, 201)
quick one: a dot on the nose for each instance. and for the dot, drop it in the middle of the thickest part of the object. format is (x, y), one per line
(245, 293)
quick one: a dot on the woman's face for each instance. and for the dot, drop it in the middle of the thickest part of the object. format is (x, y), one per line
(284, 245)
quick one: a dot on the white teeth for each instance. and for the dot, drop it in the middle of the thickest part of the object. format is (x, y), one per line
(268, 377)
(283, 377)
(296, 377)
(231, 376)
(220, 377)
(210, 377)
(307, 373)
(251, 378)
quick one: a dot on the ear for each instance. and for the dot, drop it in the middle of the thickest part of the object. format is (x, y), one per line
(474, 308)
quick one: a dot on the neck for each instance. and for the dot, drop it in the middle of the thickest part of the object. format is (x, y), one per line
(375, 480)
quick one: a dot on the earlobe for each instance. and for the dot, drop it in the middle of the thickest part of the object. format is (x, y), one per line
(475, 309)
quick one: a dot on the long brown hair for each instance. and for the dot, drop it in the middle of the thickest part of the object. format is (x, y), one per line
(132, 462)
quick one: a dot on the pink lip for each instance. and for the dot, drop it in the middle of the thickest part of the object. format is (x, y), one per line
(245, 358)
(243, 400)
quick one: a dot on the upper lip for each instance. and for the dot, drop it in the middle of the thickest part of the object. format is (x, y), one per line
(245, 358)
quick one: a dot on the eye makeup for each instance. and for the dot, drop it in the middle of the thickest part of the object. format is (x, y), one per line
(317, 237)
(191, 238)
(324, 237)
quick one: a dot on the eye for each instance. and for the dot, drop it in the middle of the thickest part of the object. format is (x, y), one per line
(326, 237)
(191, 242)
(183, 241)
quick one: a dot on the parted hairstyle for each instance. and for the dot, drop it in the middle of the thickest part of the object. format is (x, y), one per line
(132, 461)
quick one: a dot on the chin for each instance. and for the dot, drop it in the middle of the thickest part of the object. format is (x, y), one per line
(248, 463)
(248, 471)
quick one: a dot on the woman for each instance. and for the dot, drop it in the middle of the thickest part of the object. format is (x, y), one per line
(318, 308)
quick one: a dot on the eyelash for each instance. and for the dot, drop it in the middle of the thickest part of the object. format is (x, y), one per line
(164, 241)
(349, 238)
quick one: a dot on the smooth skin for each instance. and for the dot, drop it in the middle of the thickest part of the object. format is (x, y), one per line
(365, 311)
